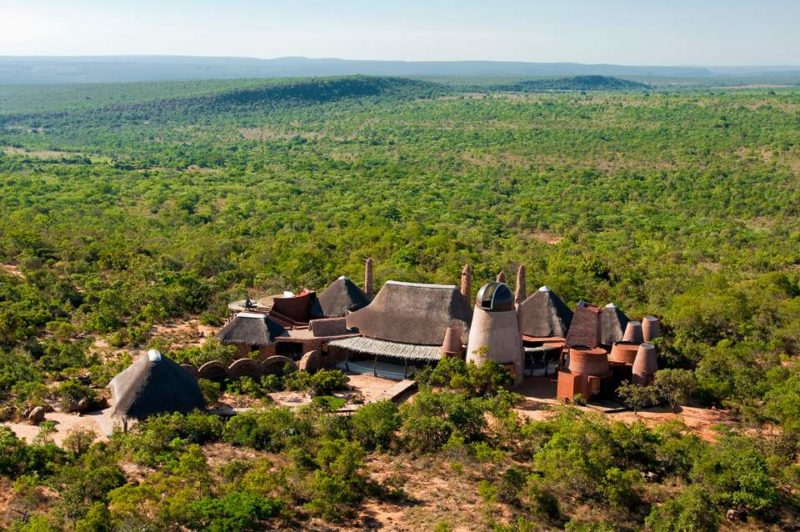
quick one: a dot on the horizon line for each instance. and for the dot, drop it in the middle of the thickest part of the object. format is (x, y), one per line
(410, 61)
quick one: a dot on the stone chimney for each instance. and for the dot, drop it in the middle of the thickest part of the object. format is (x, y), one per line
(501, 277)
(368, 278)
(466, 282)
(519, 292)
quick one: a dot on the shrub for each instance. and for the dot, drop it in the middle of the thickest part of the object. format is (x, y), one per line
(485, 380)
(430, 420)
(339, 483)
(675, 386)
(271, 429)
(323, 382)
(692, 509)
(735, 472)
(326, 381)
(374, 424)
(79, 440)
(212, 349)
(211, 391)
(638, 397)
(71, 393)
(155, 440)
(488, 378)
(238, 510)
(620, 488)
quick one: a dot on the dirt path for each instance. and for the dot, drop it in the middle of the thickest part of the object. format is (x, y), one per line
(100, 422)
(12, 269)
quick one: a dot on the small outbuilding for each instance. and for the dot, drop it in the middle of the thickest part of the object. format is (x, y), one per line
(252, 331)
(154, 384)
(342, 296)
(544, 315)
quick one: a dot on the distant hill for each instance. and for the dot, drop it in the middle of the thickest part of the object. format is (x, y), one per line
(574, 83)
(39, 70)
(110, 103)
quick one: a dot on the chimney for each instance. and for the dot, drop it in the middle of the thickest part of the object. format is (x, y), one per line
(519, 292)
(651, 328)
(645, 364)
(452, 346)
(501, 277)
(368, 278)
(466, 282)
(633, 332)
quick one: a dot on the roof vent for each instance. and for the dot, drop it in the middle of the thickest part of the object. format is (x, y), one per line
(154, 355)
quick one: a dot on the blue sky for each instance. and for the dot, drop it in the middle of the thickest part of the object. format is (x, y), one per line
(649, 32)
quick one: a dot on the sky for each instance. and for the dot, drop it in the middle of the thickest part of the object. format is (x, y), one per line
(632, 32)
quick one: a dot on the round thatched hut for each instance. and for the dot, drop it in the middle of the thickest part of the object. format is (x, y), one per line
(154, 384)
(252, 331)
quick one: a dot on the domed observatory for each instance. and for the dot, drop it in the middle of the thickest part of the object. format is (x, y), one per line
(494, 334)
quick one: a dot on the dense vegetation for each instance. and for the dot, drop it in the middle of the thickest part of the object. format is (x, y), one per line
(123, 207)
(575, 83)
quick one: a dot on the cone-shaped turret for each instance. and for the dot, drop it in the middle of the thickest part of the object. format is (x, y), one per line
(452, 346)
(645, 365)
(651, 328)
(633, 332)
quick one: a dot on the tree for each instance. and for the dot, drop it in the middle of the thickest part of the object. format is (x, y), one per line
(675, 386)
(691, 510)
(638, 397)
(374, 424)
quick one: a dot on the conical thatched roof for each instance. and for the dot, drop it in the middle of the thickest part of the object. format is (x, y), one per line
(413, 313)
(342, 296)
(154, 384)
(613, 323)
(585, 328)
(251, 328)
(543, 314)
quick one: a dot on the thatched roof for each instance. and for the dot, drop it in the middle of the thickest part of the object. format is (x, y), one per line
(154, 384)
(342, 296)
(612, 325)
(585, 327)
(382, 348)
(543, 314)
(412, 313)
(251, 328)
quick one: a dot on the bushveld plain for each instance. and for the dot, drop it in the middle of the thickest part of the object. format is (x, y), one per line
(137, 208)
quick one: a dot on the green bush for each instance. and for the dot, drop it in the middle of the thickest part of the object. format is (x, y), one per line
(73, 392)
(736, 474)
(675, 386)
(323, 382)
(374, 424)
(339, 483)
(212, 349)
(485, 380)
(271, 429)
(238, 510)
(692, 509)
(432, 417)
